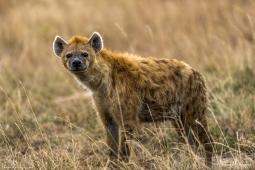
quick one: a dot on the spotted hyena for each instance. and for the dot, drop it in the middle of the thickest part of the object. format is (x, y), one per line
(128, 89)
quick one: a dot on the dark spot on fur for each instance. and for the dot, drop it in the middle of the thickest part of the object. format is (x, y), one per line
(202, 99)
(153, 92)
(162, 81)
(154, 79)
(174, 79)
(204, 111)
(193, 101)
(160, 69)
(177, 72)
(164, 61)
(157, 61)
(187, 108)
(119, 70)
(145, 62)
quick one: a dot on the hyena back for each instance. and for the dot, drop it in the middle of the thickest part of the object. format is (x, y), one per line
(128, 89)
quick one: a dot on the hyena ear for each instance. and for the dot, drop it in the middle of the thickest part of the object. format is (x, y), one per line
(96, 42)
(58, 45)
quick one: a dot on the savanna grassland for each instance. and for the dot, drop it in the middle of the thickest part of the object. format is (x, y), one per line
(47, 121)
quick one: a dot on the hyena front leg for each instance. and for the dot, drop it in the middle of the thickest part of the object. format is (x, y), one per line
(127, 120)
(125, 148)
(112, 134)
(111, 127)
(112, 131)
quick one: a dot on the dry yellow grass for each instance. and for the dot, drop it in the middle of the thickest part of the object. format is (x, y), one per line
(48, 122)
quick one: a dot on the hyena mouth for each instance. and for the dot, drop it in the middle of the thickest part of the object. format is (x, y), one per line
(77, 69)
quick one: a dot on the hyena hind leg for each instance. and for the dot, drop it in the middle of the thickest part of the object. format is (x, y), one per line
(200, 129)
(186, 134)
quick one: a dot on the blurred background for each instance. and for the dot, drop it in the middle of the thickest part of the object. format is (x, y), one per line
(48, 121)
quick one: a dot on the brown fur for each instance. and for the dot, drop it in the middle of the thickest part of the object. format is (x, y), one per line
(128, 89)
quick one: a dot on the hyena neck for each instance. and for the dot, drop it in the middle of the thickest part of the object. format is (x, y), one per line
(90, 82)
(99, 76)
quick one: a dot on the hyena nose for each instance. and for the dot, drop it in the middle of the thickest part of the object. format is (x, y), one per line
(76, 63)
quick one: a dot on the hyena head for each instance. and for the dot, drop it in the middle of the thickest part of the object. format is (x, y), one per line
(79, 52)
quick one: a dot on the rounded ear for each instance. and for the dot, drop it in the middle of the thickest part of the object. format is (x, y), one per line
(96, 42)
(58, 45)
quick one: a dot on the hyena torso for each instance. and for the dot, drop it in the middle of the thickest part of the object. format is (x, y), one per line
(128, 89)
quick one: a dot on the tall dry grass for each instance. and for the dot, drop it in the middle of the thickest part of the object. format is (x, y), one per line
(47, 122)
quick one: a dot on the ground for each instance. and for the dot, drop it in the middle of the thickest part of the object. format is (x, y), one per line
(48, 120)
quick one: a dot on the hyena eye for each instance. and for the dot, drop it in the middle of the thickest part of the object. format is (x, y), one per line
(68, 55)
(84, 54)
